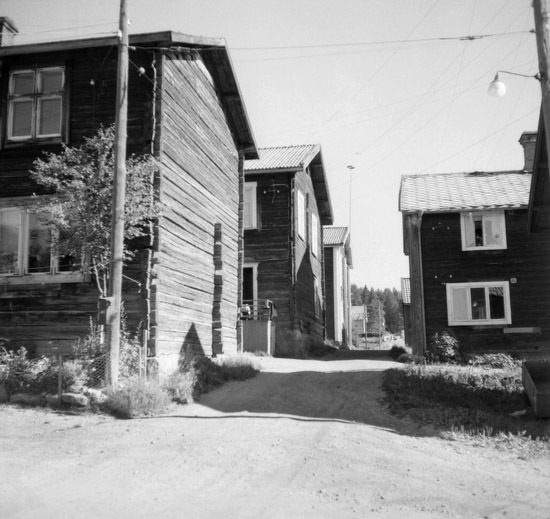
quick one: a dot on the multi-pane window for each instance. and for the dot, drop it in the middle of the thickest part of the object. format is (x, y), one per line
(482, 230)
(315, 234)
(35, 107)
(250, 206)
(478, 303)
(301, 214)
(27, 246)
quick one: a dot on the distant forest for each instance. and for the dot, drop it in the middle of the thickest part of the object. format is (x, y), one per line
(383, 306)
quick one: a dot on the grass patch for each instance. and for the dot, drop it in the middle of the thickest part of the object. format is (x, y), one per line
(212, 373)
(137, 398)
(478, 402)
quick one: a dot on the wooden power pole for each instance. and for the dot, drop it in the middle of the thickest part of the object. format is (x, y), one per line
(542, 28)
(119, 196)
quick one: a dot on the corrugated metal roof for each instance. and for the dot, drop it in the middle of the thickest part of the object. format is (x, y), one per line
(406, 291)
(463, 191)
(335, 235)
(284, 157)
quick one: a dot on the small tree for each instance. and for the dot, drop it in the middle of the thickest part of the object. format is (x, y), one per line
(79, 209)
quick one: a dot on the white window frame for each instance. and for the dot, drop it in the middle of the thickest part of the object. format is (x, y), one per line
(495, 218)
(35, 98)
(22, 275)
(315, 235)
(301, 213)
(470, 321)
(250, 213)
(254, 267)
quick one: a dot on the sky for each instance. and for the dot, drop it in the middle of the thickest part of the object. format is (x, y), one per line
(386, 87)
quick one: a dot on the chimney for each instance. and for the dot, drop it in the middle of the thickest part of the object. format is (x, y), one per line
(8, 30)
(529, 142)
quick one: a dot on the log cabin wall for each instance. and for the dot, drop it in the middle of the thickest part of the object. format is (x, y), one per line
(199, 189)
(308, 266)
(526, 260)
(330, 312)
(48, 314)
(270, 245)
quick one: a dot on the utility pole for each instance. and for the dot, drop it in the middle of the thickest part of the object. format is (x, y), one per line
(119, 196)
(542, 29)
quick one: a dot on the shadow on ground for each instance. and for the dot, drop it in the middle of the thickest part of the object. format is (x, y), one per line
(335, 391)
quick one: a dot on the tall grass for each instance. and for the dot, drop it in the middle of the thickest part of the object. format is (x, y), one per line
(470, 400)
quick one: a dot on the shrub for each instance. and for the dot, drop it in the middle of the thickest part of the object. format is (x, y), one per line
(397, 351)
(292, 344)
(180, 386)
(212, 373)
(136, 398)
(495, 360)
(443, 347)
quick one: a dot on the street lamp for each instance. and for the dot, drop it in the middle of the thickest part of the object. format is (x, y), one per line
(497, 88)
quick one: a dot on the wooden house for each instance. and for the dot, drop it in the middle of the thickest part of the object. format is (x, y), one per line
(359, 321)
(338, 262)
(475, 269)
(185, 107)
(286, 204)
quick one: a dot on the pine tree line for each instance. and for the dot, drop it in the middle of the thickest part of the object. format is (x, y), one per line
(383, 306)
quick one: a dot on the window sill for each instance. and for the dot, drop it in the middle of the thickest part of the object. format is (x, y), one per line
(40, 279)
(33, 143)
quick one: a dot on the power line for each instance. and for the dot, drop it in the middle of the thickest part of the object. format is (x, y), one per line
(383, 42)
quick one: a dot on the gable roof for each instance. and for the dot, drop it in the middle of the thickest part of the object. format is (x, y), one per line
(335, 235)
(213, 51)
(464, 191)
(359, 312)
(338, 237)
(291, 159)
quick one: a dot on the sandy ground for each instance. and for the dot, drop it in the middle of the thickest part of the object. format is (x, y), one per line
(305, 439)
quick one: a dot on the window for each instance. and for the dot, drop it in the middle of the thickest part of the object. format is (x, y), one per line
(301, 214)
(250, 206)
(483, 230)
(315, 234)
(478, 303)
(26, 247)
(35, 107)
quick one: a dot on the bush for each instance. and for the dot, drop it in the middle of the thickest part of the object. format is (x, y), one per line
(137, 398)
(292, 344)
(212, 373)
(397, 351)
(180, 386)
(443, 348)
(495, 360)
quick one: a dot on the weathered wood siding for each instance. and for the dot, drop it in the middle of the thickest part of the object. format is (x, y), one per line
(199, 189)
(47, 315)
(329, 292)
(270, 245)
(527, 259)
(307, 265)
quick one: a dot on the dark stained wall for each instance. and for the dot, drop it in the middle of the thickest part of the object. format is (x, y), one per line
(48, 315)
(329, 253)
(307, 265)
(270, 244)
(200, 196)
(527, 259)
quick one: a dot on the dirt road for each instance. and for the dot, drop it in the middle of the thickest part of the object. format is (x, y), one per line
(305, 439)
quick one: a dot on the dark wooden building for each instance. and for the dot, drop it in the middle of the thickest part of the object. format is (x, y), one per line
(184, 107)
(338, 262)
(286, 205)
(475, 268)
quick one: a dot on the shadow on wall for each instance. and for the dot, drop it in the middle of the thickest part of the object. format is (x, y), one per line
(190, 348)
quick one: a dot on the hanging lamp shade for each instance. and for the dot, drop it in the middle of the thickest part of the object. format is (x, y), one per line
(497, 88)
